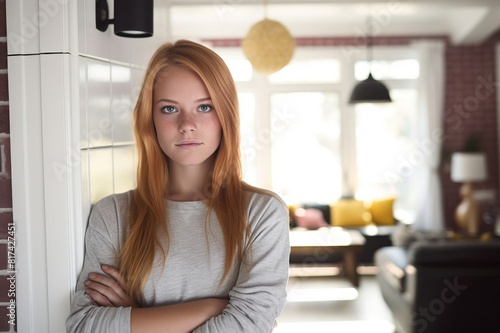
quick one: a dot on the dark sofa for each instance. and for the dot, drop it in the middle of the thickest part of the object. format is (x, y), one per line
(442, 285)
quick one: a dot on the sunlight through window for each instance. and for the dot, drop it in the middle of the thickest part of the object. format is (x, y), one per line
(305, 146)
(385, 134)
(387, 70)
(308, 71)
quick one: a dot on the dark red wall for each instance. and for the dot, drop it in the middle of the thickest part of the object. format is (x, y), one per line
(471, 107)
(5, 181)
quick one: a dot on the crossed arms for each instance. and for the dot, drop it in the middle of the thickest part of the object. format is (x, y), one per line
(109, 291)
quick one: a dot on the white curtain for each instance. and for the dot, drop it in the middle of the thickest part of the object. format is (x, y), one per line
(431, 84)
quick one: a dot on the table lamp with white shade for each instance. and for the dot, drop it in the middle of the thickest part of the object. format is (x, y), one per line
(468, 168)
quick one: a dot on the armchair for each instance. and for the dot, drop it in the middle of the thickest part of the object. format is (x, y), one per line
(442, 286)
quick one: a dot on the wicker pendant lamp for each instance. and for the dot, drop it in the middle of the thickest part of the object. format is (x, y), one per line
(268, 45)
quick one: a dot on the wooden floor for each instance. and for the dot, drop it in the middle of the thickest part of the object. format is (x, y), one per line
(320, 301)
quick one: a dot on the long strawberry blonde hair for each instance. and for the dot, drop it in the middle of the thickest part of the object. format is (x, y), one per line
(147, 225)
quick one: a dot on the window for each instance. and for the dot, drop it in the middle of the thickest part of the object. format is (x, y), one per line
(301, 139)
(385, 133)
(383, 137)
(308, 71)
(305, 146)
(387, 70)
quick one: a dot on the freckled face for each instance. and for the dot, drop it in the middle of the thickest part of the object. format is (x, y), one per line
(187, 126)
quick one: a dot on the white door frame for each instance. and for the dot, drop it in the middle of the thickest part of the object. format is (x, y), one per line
(44, 125)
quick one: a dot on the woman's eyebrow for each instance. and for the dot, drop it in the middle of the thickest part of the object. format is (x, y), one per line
(202, 99)
(172, 101)
(166, 100)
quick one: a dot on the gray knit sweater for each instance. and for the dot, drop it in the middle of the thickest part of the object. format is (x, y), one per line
(194, 266)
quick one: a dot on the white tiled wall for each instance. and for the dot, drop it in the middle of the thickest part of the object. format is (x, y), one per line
(106, 134)
(111, 72)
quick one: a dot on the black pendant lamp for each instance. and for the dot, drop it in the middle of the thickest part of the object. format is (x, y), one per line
(370, 90)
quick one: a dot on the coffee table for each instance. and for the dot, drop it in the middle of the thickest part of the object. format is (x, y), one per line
(348, 242)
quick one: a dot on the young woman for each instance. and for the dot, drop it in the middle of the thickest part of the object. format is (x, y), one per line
(193, 248)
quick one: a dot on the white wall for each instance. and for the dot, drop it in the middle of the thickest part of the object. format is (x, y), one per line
(71, 93)
(110, 75)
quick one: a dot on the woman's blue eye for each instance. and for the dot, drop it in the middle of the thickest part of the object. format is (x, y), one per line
(169, 109)
(205, 108)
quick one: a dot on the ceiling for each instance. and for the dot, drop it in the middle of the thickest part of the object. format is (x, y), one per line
(464, 21)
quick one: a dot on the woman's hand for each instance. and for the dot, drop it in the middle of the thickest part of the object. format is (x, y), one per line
(108, 290)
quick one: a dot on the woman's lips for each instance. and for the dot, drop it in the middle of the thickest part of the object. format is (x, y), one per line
(188, 144)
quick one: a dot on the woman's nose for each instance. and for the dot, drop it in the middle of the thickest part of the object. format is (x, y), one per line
(187, 122)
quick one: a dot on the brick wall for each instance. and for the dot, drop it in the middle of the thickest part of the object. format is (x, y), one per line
(6, 288)
(470, 102)
(471, 107)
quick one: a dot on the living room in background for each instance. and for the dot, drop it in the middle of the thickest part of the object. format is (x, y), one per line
(296, 143)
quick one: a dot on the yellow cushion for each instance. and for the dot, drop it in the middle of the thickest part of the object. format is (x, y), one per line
(381, 210)
(292, 208)
(291, 212)
(350, 213)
